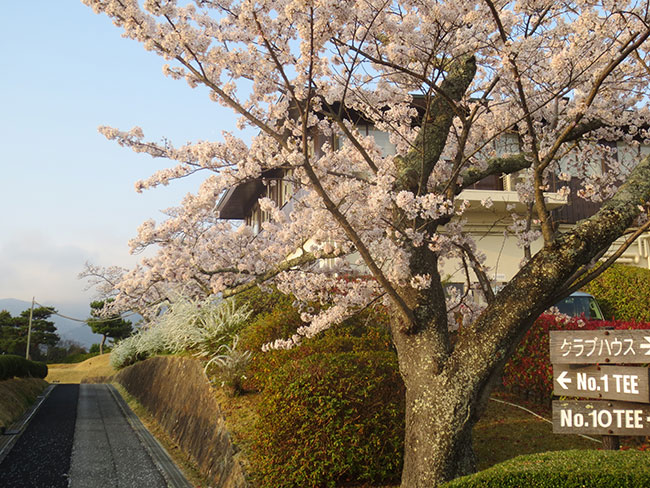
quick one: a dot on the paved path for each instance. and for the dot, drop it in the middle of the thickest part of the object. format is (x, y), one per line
(41, 456)
(84, 436)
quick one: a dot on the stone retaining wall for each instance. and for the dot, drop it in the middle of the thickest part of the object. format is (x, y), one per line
(178, 395)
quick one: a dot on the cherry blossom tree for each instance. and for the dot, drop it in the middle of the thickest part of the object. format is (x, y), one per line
(446, 80)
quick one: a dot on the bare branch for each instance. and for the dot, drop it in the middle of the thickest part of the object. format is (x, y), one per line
(483, 279)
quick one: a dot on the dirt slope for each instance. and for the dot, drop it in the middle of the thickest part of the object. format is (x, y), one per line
(16, 395)
(99, 366)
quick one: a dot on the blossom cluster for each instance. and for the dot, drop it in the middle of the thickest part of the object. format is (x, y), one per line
(319, 80)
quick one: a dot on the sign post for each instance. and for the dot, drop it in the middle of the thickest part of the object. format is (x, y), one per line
(627, 383)
(600, 346)
(583, 367)
(600, 417)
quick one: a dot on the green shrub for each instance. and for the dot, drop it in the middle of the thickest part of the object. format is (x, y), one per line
(367, 331)
(623, 292)
(37, 369)
(16, 366)
(94, 349)
(274, 317)
(332, 408)
(565, 469)
(260, 301)
(279, 322)
(229, 368)
(330, 418)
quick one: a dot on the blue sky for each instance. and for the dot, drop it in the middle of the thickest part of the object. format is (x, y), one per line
(67, 193)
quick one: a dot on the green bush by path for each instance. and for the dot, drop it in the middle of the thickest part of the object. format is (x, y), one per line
(278, 322)
(16, 395)
(330, 418)
(565, 469)
(623, 292)
(16, 366)
(366, 331)
(332, 408)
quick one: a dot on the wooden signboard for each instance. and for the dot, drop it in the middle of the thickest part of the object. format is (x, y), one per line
(600, 346)
(627, 383)
(601, 418)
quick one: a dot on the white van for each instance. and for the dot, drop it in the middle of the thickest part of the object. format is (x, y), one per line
(579, 303)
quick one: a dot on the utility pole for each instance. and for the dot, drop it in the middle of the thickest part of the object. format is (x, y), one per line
(29, 328)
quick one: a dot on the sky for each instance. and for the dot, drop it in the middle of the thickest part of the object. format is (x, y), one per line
(67, 193)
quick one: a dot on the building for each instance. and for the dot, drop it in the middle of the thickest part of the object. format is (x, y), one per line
(490, 227)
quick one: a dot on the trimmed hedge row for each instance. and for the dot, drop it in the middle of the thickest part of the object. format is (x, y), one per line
(623, 292)
(351, 336)
(564, 469)
(332, 409)
(331, 418)
(15, 366)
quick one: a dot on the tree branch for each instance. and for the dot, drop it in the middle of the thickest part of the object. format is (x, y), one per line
(414, 168)
(301, 260)
(452, 103)
(399, 302)
(483, 279)
(573, 285)
(496, 166)
(498, 329)
(595, 89)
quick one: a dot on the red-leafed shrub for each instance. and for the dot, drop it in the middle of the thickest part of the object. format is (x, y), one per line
(529, 368)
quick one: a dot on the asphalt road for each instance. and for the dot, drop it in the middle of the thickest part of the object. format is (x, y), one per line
(41, 456)
(85, 436)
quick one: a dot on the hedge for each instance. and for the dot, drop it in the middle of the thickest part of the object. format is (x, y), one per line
(564, 469)
(328, 419)
(15, 366)
(332, 408)
(367, 331)
(529, 369)
(623, 293)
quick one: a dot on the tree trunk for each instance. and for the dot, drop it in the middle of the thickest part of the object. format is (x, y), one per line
(448, 386)
(441, 410)
(101, 345)
(438, 437)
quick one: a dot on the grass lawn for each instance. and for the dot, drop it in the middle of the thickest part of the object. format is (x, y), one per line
(16, 395)
(506, 431)
(95, 367)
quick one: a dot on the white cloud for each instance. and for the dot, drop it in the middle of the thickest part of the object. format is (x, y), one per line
(34, 264)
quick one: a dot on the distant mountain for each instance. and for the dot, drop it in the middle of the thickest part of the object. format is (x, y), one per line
(13, 306)
(66, 329)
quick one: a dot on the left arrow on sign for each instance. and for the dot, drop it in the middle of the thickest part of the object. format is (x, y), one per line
(563, 380)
